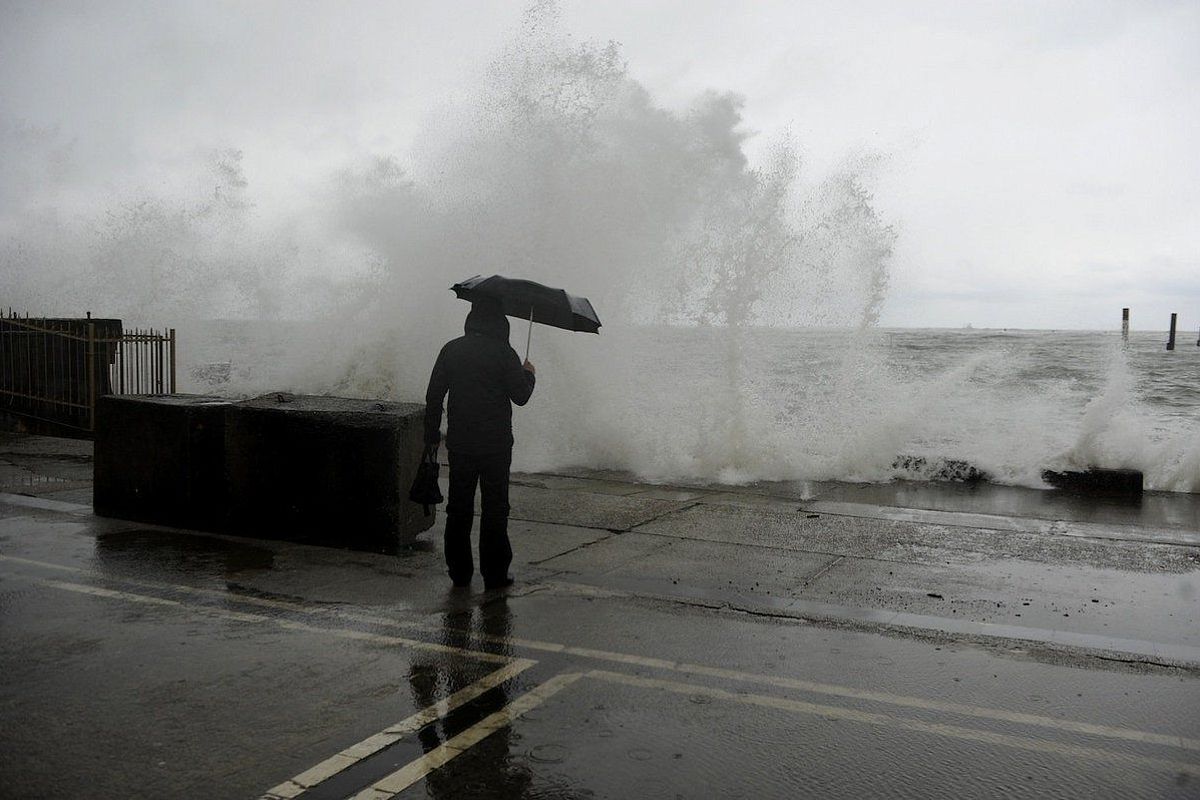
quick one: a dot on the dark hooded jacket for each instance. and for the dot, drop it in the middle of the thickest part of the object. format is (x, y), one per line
(484, 377)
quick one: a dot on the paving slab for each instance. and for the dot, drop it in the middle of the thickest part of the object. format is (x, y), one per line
(958, 519)
(671, 493)
(561, 482)
(608, 554)
(706, 570)
(911, 541)
(1051, 597)
(751, 500)
(585, 509)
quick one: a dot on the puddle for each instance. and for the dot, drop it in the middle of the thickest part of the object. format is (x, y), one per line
(150, 551)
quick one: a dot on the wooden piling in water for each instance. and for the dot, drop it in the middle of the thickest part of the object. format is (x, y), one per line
(1125, 324)
(1171, 335)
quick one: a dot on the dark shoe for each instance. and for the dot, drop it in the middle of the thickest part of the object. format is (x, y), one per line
(499, 583)
(461, 583)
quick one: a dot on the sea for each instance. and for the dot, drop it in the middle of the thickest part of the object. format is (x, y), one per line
(738, 405)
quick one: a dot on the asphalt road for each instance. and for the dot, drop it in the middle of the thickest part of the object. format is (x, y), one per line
(660, 642)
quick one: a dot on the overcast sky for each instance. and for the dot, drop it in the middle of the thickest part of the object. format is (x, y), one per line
(1041, 160)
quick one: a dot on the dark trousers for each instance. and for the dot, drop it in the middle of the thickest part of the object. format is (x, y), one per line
(490, 472)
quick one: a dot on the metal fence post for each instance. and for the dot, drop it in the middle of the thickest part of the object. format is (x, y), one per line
(91, 375)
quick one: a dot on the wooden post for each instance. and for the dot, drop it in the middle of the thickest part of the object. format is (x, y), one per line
(1171, 335)
(1125, 324)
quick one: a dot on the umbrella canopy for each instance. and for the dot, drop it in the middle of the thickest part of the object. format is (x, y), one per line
(532, 301)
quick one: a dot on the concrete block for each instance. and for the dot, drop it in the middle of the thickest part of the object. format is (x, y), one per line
(1106, 482)
(161, 459)
(325, 470)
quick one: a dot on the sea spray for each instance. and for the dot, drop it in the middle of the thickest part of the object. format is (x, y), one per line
(185, 250)
(563, 169)
(739, 298)
(577, 178)
(1111, 428)
(1113, 434)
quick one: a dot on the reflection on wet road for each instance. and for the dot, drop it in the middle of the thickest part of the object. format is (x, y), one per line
(485, 739)
(144, 662)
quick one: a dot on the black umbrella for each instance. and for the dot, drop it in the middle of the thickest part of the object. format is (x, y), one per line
(532, 301)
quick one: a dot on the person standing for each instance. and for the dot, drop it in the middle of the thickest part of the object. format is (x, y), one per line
(483, 376)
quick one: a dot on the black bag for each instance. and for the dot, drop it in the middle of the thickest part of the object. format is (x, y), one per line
(425, 489)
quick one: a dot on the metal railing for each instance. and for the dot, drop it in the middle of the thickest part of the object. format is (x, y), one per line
(144, 362)
(53, 370)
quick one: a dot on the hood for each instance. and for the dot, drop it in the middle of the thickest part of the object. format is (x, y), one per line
(486, 319)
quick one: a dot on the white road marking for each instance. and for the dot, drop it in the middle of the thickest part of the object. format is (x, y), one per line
(373, 744)
(925, 704)
(412, 772)
(937, 728)
(344, 633)
(109, 593)
(835, 690)
(30, 561)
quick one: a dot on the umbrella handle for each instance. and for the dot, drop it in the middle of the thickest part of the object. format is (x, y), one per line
(529, 335)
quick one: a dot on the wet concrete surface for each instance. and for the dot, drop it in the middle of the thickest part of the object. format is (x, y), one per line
(38, 465)
(609, 739)
(1157, 509)
(660, 642)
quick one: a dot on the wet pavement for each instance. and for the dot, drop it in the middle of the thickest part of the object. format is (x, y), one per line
(768, 641)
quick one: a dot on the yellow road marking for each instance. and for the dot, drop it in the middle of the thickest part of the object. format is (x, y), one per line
(940, 729)
(441, 755)
(373, 744)
(981, 712)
